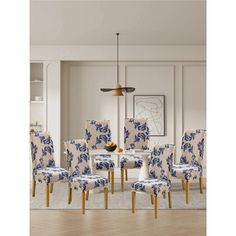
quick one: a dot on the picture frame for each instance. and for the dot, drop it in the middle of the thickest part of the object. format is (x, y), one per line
(152, 108)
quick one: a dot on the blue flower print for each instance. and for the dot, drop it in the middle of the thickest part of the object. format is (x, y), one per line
(142, 127)
(132, 146)
(87, 135)
(201, 147)
(126, 134)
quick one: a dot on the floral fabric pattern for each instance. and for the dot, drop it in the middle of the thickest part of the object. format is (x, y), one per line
(104, 163)
(131, 162)
(50, 175)
(88, 182)
(97, 134)
(136, 134)
(185, 172)
(44, 169)
(193, 145)
(152, 186)
(159, 171)
(79, 171)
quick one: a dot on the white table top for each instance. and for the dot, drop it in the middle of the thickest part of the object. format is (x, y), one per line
(126, 152)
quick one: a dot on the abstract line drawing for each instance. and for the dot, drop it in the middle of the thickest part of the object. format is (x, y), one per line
(152, 108)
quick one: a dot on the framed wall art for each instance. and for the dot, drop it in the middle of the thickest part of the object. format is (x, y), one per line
(151, 107)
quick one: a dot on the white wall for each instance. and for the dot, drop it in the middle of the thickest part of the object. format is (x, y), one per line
(175, 71)
(53, 104)
(184, 92)
(82, 99)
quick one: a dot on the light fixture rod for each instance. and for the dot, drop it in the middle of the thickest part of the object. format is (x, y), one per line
(117, 57)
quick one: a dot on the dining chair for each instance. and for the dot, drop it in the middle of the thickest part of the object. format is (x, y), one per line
(159, 182)
(136, 137)
(80, 176)
(43, 163)
(97, 134)
(191, 160)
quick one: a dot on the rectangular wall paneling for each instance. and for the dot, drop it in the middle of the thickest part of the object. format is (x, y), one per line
(194, 98)
(82, 99)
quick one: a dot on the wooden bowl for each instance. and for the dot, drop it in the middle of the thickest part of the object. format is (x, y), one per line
(110, 148)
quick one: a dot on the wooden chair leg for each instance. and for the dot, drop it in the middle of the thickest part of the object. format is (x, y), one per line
(109, 176)
(106, 198)
(126, 175)
(122, 180)
(169, 199)
(133, 201)
(47, 195)
(33, 188)
(201, 185)
(187, 188)
(87, 195)
(183, 184)
(83, 202)
(112, 182)
(151, 196)
(51, 188)
(69, 195)
(155, 206)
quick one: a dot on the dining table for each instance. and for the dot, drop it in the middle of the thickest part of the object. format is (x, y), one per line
(145, 154)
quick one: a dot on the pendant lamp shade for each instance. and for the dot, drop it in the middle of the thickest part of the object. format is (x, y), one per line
(117, 90)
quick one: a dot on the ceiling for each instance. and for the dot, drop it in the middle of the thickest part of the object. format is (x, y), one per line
(66, 22)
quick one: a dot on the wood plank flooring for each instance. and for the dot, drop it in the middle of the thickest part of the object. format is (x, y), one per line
(117, 223)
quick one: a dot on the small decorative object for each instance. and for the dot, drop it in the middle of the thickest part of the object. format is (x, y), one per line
(110, 147)
(119, 149)
(36, 127)
(38, 98)
(151, 107)
(117, 89)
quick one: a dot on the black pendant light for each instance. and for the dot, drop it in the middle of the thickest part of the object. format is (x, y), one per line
(117, 89)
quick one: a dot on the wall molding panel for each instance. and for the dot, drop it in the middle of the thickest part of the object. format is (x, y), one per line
(167, 78)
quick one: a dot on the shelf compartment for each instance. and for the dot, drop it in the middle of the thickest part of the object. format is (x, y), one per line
(37, 102)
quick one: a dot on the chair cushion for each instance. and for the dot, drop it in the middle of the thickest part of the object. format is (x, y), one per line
(153, 186)
(104, 162)
(185, 171)
(50, 174)
(131, 162)
(88, 182)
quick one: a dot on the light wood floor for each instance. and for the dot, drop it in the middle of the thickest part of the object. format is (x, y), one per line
(117, 222)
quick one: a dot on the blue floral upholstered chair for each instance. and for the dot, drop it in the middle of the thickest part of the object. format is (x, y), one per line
(97, 134)
(136, 137)
(80, 176)
(191, 160)
(159, 181)
(43, 164)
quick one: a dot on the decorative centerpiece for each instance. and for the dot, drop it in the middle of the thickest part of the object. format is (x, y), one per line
(119, 150)
(110, 147)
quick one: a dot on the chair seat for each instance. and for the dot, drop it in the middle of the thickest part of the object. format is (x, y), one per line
(104, 162)
(88, 182)
(152, 186)
(50, 174)
(131, 162)
(185, 172)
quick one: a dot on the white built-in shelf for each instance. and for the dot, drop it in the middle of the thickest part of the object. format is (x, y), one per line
(36, 81)
(37, 102)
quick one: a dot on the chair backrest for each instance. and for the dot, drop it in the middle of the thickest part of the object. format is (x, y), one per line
(97, 133)
(41, 150)
(161, 162)
(136, 134)
(77, 157)
(193, 145)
